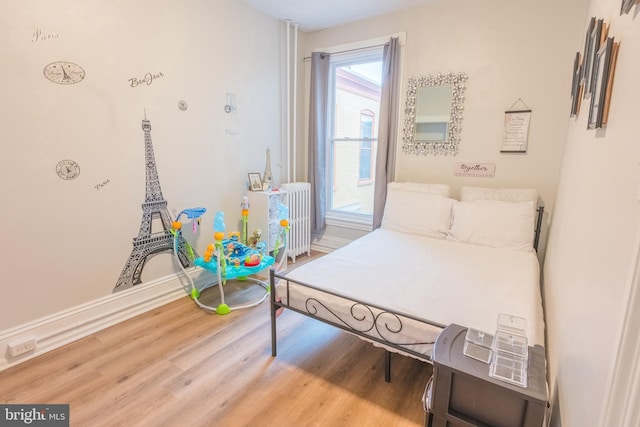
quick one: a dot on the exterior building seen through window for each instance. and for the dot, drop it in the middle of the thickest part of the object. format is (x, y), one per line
(354, 108)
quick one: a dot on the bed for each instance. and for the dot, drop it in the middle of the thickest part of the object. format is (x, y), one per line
(434, 261)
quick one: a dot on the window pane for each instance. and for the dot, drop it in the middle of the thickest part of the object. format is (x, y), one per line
(355, 92)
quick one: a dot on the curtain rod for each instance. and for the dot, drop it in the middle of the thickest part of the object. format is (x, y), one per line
(306, 58)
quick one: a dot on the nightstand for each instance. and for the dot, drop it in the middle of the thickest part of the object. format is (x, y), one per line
(462, 394)
(263, 215)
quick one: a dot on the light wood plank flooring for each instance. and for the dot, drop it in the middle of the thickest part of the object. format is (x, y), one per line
(179, 365)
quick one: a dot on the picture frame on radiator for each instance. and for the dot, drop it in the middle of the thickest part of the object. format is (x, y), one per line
(255, 182)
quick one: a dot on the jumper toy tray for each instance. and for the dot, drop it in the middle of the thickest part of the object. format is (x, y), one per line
(241, 260)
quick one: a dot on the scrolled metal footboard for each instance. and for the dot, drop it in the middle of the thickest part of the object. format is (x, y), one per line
(363, 319)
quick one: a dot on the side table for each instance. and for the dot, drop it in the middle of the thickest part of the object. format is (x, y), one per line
(461, 392)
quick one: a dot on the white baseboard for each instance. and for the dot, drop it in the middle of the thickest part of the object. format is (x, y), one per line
(64, 327)
(328, 244)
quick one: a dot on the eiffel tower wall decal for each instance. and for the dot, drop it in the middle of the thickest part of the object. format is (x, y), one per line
(149, 243)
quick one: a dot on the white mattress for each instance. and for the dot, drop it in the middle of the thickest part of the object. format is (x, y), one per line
(431, 279)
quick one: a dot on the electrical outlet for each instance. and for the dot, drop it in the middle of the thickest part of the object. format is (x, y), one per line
(22, 346)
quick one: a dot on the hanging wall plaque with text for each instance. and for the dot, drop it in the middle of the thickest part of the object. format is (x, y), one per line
(516, 131)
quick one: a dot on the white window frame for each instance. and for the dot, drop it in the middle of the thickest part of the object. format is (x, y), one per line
(336, 217)
(333, 218)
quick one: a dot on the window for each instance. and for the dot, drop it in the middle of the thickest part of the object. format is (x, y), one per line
(354, 105)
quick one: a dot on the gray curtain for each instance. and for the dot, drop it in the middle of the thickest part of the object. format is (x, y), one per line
(387, 131)
(318, 139)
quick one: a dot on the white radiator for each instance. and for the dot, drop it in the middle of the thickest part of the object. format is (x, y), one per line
(299, 202)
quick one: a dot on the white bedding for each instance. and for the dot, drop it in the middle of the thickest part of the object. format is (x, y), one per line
(437, 280)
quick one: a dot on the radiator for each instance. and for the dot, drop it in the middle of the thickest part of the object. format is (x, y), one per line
(299, 202)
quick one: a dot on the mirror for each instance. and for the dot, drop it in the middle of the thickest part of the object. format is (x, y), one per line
(433, 114)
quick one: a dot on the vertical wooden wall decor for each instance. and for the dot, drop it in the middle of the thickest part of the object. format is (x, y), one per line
(593, 72)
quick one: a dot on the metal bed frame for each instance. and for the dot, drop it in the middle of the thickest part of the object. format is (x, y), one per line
(366, 320)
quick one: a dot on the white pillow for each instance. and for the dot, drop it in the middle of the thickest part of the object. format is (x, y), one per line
(468, 194)
(417, 213)
(494, 223)
(418, 187)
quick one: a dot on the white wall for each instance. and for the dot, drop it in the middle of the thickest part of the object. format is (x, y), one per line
(594, 236)
(66, 242)
(509, 50)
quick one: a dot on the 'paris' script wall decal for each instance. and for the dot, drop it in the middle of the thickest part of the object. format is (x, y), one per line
(38, 35)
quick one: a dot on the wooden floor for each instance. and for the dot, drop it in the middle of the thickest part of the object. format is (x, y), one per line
(179, 365)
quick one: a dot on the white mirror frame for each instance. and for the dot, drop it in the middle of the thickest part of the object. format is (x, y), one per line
(412, 146)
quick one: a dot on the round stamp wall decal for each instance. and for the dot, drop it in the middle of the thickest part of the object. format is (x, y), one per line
(67, 169)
